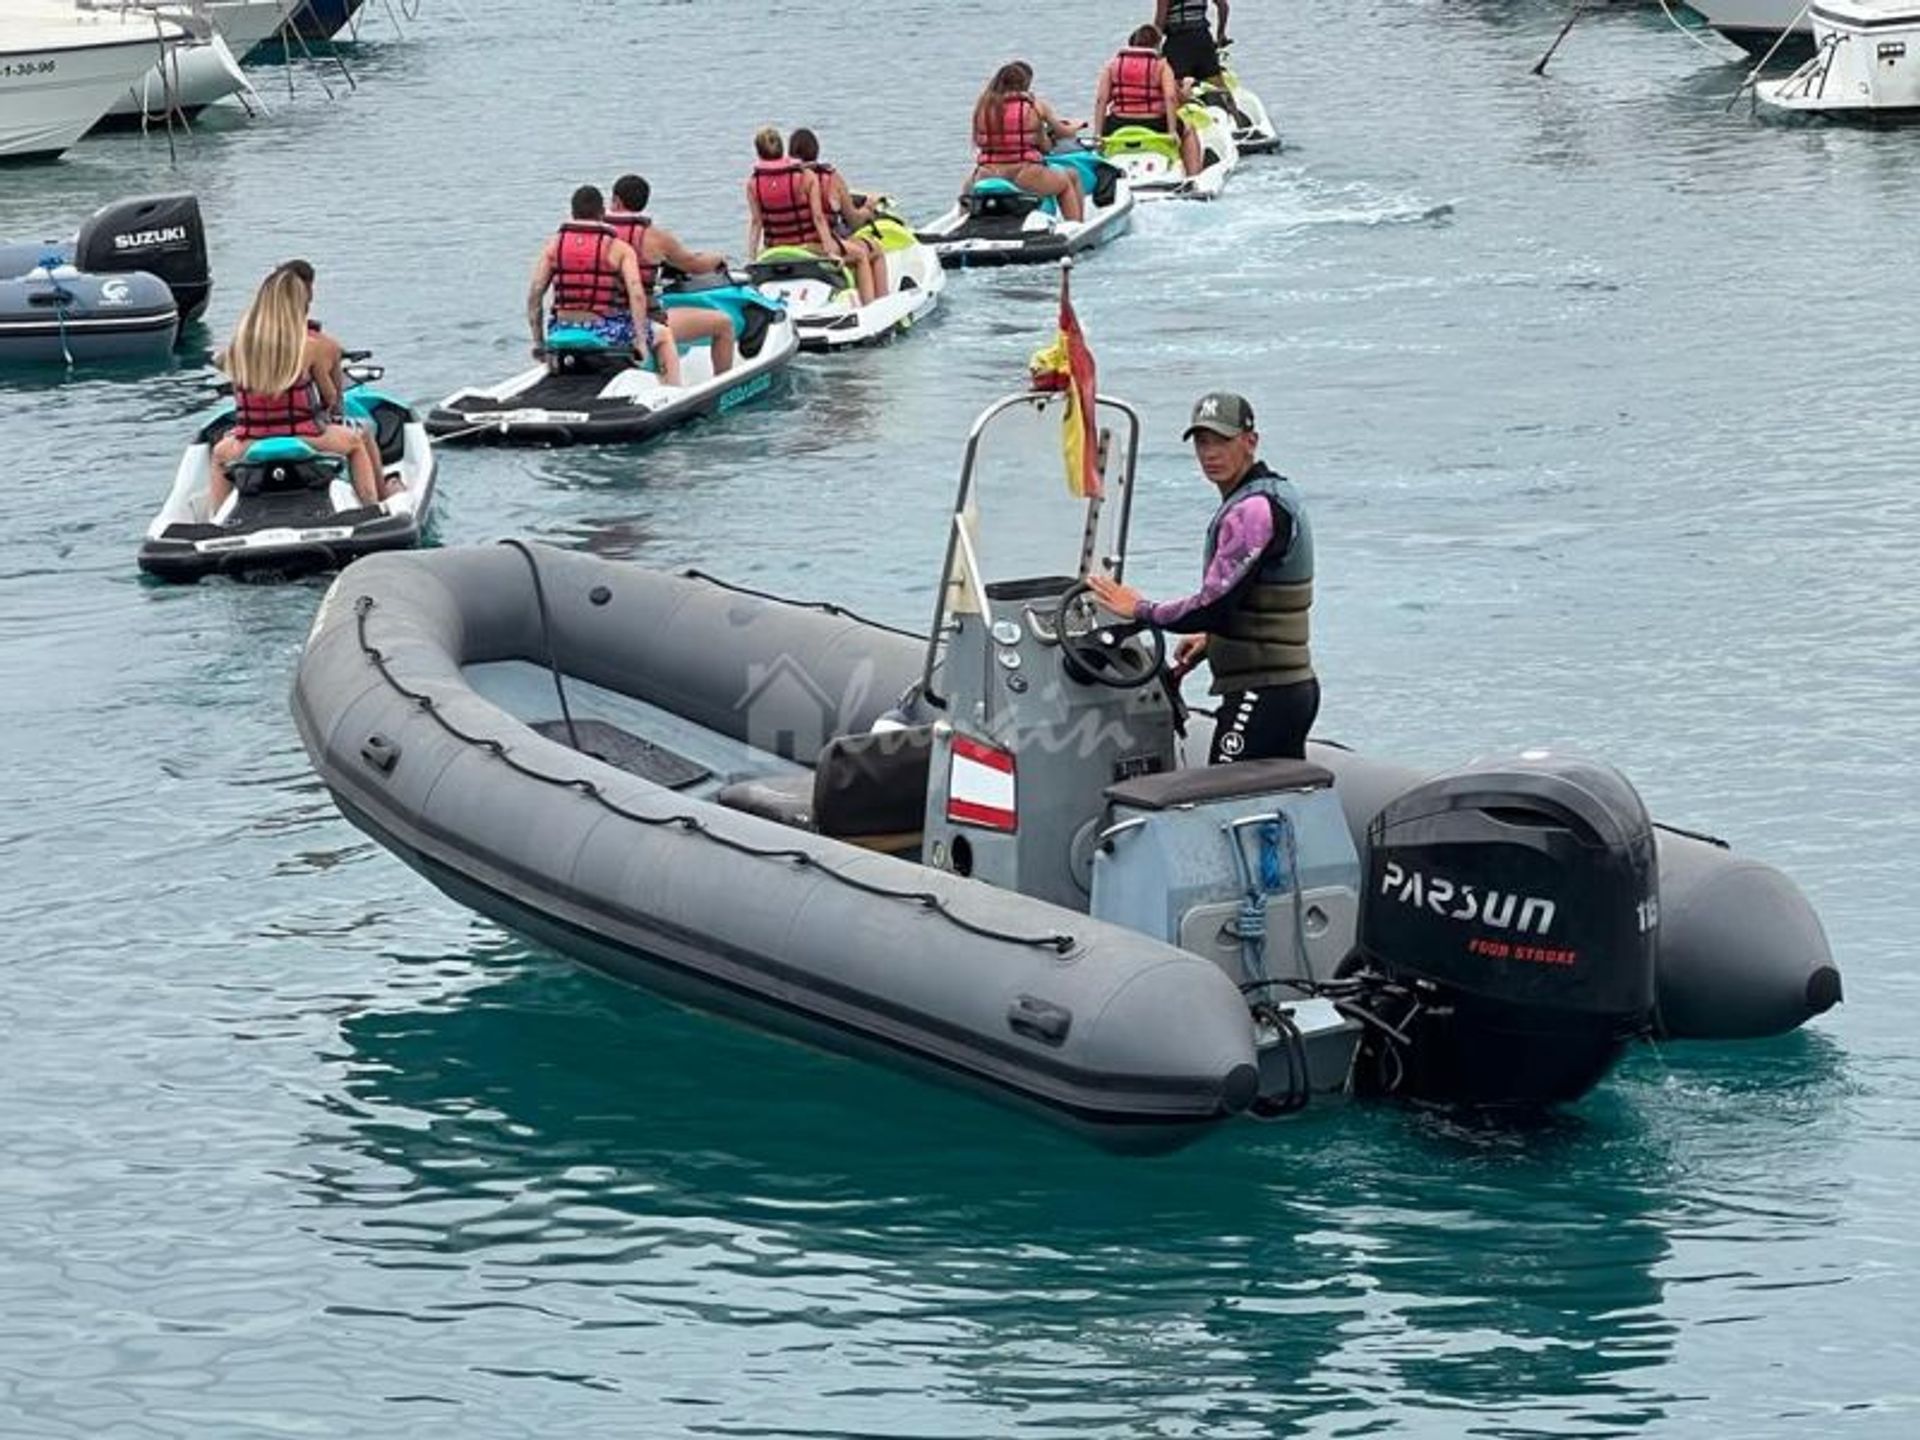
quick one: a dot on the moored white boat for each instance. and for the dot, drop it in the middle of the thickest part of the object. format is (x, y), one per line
(1756, 26)
(247, 24)
(191, 76)
(62, 68)
(1866, 62)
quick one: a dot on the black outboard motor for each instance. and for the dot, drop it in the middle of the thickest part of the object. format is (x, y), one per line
(160, 234)
(1508, 930)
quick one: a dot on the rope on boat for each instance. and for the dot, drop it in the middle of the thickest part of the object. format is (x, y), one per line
(1692, 32)
(825, 607)
(1059, 942)
(1752, 80)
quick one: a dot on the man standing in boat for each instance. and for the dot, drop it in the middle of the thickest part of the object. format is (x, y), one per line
(1249, 618)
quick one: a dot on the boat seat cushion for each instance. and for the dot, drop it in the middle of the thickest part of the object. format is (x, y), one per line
(863, 786)
(873, 784)
(1203, 784)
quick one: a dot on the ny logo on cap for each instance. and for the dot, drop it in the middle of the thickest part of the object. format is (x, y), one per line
(1210, 407)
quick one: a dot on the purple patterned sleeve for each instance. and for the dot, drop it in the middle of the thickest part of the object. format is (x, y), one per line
(1246, 530)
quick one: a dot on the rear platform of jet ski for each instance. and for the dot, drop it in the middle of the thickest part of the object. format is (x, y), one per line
(589, 393)
(997, 223)
(292, 509)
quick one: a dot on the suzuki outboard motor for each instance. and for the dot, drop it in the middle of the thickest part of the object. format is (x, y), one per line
(1507, 933)
(161, 235)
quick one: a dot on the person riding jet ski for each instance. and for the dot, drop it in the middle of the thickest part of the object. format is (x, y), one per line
(1013, 129)
(784, 208)
(1137, 88)
(277, 390)
(595, 279)
(1192, 49)
(1249, 618)
(843, 216)
(654, 246)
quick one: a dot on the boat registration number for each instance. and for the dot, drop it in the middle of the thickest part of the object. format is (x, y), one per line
(13, 68)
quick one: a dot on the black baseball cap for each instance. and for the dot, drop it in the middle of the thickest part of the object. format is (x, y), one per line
(1222, 412)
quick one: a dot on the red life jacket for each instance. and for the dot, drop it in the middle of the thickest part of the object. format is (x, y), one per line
(585, 279)
(291, 412)
(1011, 136)
(633, 229)
(785, 216)
(1134, 83)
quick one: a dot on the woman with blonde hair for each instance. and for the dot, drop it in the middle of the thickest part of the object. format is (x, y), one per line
(1013, 129)
(277, 390)
(785, 207)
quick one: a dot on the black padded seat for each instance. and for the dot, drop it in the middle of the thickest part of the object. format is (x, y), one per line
(871, 789)
(1173, 788)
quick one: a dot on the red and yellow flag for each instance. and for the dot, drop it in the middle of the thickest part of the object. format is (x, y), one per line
(1067, 364)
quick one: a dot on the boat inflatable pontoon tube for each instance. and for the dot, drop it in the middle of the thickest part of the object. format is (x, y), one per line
(119, 290)
(716, 831)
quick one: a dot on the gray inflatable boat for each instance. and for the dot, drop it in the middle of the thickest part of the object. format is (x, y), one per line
(119, 290)
(984, 856)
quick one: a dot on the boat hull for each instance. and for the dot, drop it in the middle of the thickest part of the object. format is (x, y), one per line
(50, 98)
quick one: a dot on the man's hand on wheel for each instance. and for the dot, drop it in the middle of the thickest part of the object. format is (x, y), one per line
(1122, 600)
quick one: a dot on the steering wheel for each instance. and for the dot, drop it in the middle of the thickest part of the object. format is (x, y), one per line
(1095, 652)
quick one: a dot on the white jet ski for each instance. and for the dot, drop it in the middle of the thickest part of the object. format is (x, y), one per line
(292, 509)
(588, 391)
(1150, 159)
(819, 292)
(1253, 130)
(998, 223)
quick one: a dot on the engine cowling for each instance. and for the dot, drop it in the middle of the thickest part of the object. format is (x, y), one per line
(1508, 928)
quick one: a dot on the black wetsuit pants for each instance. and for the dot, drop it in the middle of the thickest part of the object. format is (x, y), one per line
(1270, 724)
(1192, 53)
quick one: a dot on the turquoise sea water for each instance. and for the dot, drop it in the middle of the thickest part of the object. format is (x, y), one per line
(1601, 395)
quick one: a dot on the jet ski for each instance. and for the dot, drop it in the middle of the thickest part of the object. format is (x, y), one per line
(293, 509)
(819, 292)
(1150, 159)
(998, 223)
(1253, 131)
(590, 391)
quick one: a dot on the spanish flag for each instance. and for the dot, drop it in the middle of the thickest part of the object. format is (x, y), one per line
(1067, 364)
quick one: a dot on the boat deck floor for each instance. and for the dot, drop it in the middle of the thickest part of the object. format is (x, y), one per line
(629, 733)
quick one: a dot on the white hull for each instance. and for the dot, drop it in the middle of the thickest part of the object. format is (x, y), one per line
(1254, 131)
(1039, 237)
(827, 318)
(1151, 175)
(632, 404)
(1866, 62)
(1755, 24)
(60, 73)
(244, 24)
(190, 78)
(186, 502)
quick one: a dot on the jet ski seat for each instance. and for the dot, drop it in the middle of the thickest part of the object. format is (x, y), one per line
(1139, 140)
(283, 465)
(870, 790)
(1003, 198)
(791, 262)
